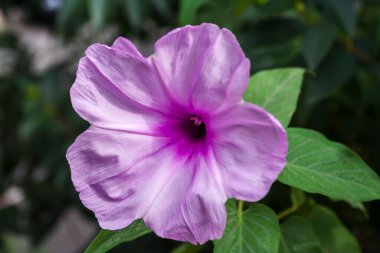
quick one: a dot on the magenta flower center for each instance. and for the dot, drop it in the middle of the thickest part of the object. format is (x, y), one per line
(195, 127)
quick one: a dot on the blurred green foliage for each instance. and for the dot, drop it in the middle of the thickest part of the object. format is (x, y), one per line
(338, 42)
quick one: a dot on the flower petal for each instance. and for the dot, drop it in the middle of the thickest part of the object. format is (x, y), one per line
(204, 206)
(190, 207)
(117, 90)
(202, 65)
(133, 76)
(250, 146)
(140, 176)
(125, 46)
(99, 154)
(118, 174)
(164, 216)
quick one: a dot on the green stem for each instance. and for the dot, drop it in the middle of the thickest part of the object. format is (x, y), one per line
(240, 218)
(240, 210)
(286, 212)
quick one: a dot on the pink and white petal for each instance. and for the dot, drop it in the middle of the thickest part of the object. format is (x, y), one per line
(204, 206)
(202, 65)
(103, 104)
(99, 154)
(224, 76)
(134, 77)
(191, 205)
(165, 216)
(250, 146)
(125, 46)
(119, 200)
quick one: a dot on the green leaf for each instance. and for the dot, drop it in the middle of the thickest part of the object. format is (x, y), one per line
(277, 91)
(333, 236)
(317, 42)
(98, 12)
(283, 247)
(108, 239)
(318, 165)
(255, 230)
(188, 10)
(298, 236)
(346, 13)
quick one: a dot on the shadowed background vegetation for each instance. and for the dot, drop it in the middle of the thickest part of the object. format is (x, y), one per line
(41, 41)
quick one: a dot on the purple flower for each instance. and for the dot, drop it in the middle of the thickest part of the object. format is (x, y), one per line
(171, 137)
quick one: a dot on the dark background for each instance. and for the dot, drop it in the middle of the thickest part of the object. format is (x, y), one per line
(338, 42)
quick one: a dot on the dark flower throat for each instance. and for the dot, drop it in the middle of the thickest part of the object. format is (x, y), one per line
(196, 127)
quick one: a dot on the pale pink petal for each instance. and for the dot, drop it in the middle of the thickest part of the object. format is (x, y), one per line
(250, 147)
(204, 208)
(99, 154)
(202, 66)
(119, 200)
(119, 174)
(126, 47)
(141, 177)
(165, 216)
(133, 76)
(191, 205)
(112, 90)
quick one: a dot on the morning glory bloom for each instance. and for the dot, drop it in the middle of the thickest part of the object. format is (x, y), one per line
(171, 138)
